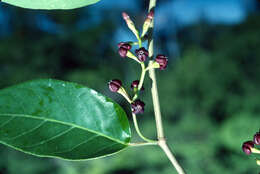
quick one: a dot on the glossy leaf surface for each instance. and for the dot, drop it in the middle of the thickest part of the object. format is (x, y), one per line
(50, 4)
(53, 118)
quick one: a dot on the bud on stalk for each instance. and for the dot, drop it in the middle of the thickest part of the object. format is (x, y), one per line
(130, 24)
(114, 85)
(148, 22)
(257, 138)
(123, 48)
(247, 147)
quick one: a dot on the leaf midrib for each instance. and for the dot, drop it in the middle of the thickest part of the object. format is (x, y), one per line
(64, 123)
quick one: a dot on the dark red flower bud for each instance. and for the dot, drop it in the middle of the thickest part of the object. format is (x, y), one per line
(135, 85)
(247, 146)
(114, 85)
(122, 52)
(124, 45)
(162, 60)
(257, 138)
(123, 48)
(141, 54)
(138, 107)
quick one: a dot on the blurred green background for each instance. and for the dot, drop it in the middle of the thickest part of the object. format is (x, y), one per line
(209, 94)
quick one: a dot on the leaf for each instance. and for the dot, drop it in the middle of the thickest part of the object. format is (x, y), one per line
(50, 4)
(51, 118)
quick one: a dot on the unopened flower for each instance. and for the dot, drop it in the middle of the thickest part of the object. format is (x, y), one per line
(114, 85)
(123, 48)
(162, 61)
(125, 45)
(138, 107)
(130, 24)
(247, 147)
(135, 84)
(257, 138)
(148, 22)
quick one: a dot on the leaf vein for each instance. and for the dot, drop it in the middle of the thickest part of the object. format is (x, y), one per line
(6, 122)
(24, 133)
(52, 138)
(87, 140)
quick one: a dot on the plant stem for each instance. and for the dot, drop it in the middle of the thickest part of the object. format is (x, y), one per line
(141, 81)
(142, 144)
(139, 132)
(157, 112)
(255, 150)
(142, 77)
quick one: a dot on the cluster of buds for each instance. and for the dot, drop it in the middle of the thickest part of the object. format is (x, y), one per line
(137, 106)
(248, 147)
(140, 55)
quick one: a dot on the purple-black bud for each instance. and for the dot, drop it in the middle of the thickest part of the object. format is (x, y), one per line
(162, 61)
(123, 48)
(124, 45)
(138, 107)
(114, 85)
(122, 52)
(141, 54)
(135, 84)
(257, 138)
(247, 146)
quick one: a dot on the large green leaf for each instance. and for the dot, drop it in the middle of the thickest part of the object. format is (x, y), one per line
(50, 4)
(52, 118)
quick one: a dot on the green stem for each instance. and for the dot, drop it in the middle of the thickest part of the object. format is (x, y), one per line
(140, 42)
(141, 81)
(142, 144)
(139, 132)
(255, 150)
(157, 112)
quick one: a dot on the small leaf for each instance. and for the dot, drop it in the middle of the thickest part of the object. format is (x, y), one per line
(52, 118)
(50, 4)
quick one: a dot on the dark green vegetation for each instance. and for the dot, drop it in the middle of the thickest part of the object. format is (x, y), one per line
(60, 119)
(209, 95)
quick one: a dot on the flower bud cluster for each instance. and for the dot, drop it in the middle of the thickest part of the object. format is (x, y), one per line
(248, 147)
(137, 106)
(141, 55)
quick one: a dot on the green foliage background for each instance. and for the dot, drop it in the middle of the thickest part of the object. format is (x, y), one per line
(209, 94)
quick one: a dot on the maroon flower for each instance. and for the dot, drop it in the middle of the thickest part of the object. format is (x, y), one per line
(247, 146)
(162, 60)
(135, 84)
(114, 85)
(124, 45)
(141, 54)
(257, 138)
(138, 107)
(123, 48)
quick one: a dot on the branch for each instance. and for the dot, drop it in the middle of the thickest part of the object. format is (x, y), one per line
(157, 112)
